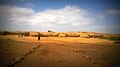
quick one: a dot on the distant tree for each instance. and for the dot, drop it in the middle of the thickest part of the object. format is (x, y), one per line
(50, 31)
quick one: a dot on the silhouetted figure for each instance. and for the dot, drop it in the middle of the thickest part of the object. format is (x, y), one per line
(38, 38)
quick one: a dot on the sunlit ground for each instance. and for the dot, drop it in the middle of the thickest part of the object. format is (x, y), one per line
(60, 52)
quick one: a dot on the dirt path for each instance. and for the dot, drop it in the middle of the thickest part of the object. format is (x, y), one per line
(65, 54)
(52, 55)
(60, 52)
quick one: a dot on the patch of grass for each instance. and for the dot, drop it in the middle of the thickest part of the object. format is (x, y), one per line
(116, 40)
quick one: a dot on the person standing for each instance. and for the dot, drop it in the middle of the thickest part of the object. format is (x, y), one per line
(38, 38)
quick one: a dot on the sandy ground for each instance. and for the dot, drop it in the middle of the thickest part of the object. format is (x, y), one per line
(60, 52)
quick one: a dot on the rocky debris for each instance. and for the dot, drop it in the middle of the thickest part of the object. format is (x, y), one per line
(61, 35)
(72, 34)
(20, 58)
(16, 60)
(55, 34)
(33, 34)
(74, 50)
(45, 34)
(84, 35)
(106, 35)
(95, 35)
(87, 57)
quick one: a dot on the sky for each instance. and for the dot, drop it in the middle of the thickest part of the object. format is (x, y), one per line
(60, 15)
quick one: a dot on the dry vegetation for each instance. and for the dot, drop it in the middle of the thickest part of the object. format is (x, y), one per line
(68, 50)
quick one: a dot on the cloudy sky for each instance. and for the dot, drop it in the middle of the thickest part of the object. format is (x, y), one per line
(60, 15)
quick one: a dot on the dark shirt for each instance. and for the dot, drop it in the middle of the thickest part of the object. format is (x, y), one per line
(39, 36)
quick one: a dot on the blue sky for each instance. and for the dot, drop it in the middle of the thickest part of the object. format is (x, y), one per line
(60, 15)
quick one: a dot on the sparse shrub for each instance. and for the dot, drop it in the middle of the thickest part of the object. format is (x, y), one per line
(50, 31)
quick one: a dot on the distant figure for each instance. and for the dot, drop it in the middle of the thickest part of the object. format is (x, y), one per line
(38, 38)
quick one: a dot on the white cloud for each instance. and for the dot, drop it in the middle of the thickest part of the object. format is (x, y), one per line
(60, 19)
(108, 13)
(113, 12)
(14, 11)
(66, 15)
(68, 18)
(101, 16)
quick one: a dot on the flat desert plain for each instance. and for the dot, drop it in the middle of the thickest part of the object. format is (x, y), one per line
(59, 52)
